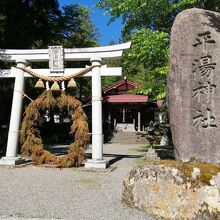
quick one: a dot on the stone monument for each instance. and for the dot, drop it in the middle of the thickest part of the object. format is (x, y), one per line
(194, 85)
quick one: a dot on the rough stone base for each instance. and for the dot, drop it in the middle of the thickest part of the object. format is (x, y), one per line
(167, 193)
(99, 164)
(11, 161)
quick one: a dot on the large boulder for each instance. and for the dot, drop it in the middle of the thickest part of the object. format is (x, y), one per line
(194, 85)
(174, 190)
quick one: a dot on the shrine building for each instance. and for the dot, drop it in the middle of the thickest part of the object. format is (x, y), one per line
(127, 112)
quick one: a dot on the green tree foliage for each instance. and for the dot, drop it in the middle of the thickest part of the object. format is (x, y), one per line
(147, 24)
(77, 30)
(39, 23)
(212, 5)
(154, 14)
(2, 20)
(146, 46)
(28, 23)
(149, 50)
(139, 14)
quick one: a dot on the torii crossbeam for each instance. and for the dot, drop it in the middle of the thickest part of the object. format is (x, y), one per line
(56, 56)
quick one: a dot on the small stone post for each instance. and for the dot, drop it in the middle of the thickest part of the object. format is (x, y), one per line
(15, 120)
(123, 118)
(97, 135)
(109, 117)
(139, 120)
(115, 124)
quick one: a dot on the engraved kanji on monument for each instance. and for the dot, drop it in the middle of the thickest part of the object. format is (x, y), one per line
(194, 85)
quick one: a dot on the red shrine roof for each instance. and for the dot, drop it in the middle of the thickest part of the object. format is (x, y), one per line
(121, 87)
(118, 93)
(126, 98)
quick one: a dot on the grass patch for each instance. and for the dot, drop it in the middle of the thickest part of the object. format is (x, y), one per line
(140, 149)
(141, 161)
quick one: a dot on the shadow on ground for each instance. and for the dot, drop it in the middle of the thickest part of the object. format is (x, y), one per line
(142, 149)
(165, 152)
(115, 157)
(57, 150)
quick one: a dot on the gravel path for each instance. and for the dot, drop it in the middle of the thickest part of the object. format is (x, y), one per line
(47, 193)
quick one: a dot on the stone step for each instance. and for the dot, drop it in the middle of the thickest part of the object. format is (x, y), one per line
(129, 137)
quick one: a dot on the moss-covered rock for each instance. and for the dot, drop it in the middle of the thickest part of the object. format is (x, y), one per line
(175, 190)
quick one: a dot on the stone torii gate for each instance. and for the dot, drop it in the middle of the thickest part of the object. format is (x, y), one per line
(56, 55)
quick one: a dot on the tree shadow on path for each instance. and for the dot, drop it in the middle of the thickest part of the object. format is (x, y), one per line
(115, 157)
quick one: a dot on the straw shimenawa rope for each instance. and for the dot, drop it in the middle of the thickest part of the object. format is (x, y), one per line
(30, 139)
(58, 78)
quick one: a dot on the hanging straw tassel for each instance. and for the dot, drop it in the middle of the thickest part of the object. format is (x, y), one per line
(55, 87)
(39, 84)
(72, 84)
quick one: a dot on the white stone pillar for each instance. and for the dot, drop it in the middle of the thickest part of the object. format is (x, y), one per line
(139, 120)
(97, 135)
(15, 120)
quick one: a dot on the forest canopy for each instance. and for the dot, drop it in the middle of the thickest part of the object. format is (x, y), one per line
(37, 24)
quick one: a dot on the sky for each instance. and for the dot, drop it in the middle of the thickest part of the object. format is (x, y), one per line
(107, 32)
